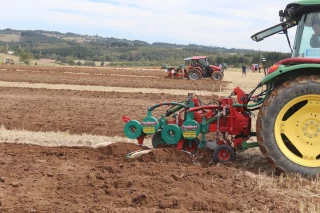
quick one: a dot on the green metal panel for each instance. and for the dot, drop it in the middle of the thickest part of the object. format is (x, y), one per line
(150, 125)
(286, 69)
(306, 2)
(132, 129)
(190, 129)
(171, 134)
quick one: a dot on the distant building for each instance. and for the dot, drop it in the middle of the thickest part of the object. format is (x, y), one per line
(10, 52)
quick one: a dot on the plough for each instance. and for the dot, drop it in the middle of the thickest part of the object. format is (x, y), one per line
(186, 124)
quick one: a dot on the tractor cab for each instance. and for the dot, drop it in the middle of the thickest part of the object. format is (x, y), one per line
(203, 62)
(305, 15)
(193, 61)
(200, 61)
(307, 43)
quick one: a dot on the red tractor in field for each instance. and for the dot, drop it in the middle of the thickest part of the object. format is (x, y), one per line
(195, 68)
(198, 67)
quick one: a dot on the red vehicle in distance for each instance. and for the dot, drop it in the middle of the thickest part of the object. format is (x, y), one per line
(198, 67)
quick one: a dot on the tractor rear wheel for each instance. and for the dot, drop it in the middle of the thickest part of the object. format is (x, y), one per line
(217, 76)
(194, 74)
(288, 126)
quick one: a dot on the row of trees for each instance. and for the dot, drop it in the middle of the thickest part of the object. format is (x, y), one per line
(64, 47)
(133, 55)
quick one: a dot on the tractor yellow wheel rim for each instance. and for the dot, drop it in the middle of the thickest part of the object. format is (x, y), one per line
(297, 130)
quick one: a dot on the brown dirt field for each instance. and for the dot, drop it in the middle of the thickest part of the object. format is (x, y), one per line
(137, 71)
(81, 179)
(77, 112)
(53, 77)
(42, 179)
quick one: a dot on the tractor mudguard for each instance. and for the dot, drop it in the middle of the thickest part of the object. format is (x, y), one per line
(283, 72)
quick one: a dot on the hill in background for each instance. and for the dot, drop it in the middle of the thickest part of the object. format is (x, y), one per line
(66, 47)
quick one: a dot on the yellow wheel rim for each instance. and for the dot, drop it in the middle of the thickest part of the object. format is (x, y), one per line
(297, 130)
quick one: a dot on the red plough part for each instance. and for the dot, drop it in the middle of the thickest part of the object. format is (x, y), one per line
(186, 124)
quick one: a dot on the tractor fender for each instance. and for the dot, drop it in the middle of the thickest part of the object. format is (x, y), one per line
(284, 73)
(198, 68)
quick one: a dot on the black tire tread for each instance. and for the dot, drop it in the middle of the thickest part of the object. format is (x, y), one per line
(194, 70)
(265, 125)
(217, 73)
(221, 147)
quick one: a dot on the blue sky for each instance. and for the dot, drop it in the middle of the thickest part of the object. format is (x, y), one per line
(227, 23)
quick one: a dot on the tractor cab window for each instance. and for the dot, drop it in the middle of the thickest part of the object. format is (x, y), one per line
(203, 61)
(307, 43)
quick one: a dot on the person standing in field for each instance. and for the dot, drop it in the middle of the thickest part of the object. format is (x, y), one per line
(244, 70)
(252, 67)
(260, 67)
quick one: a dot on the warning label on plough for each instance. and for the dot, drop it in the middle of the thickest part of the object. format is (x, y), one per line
(149, 130)
(189, 134)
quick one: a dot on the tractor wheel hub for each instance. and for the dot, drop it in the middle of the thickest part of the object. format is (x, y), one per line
(311, 129)
(297, 130)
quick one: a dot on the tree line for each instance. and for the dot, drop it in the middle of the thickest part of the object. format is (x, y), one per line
(35, 44)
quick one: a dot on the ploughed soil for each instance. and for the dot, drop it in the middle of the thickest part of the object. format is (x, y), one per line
(88, 112)
(106, 70)
(43, 179)
(79, 179)
(77, 112)
(105, 77)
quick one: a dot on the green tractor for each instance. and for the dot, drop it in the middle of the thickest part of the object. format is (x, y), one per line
(288, 123)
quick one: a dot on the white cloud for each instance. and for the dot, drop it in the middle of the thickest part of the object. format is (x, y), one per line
(226, 23)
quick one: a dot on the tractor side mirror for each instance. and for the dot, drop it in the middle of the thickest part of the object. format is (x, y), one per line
(281, 14)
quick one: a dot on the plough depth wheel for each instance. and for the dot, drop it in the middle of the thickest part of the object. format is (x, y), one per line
(191, 145)
(288, 126)
(224, 153)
